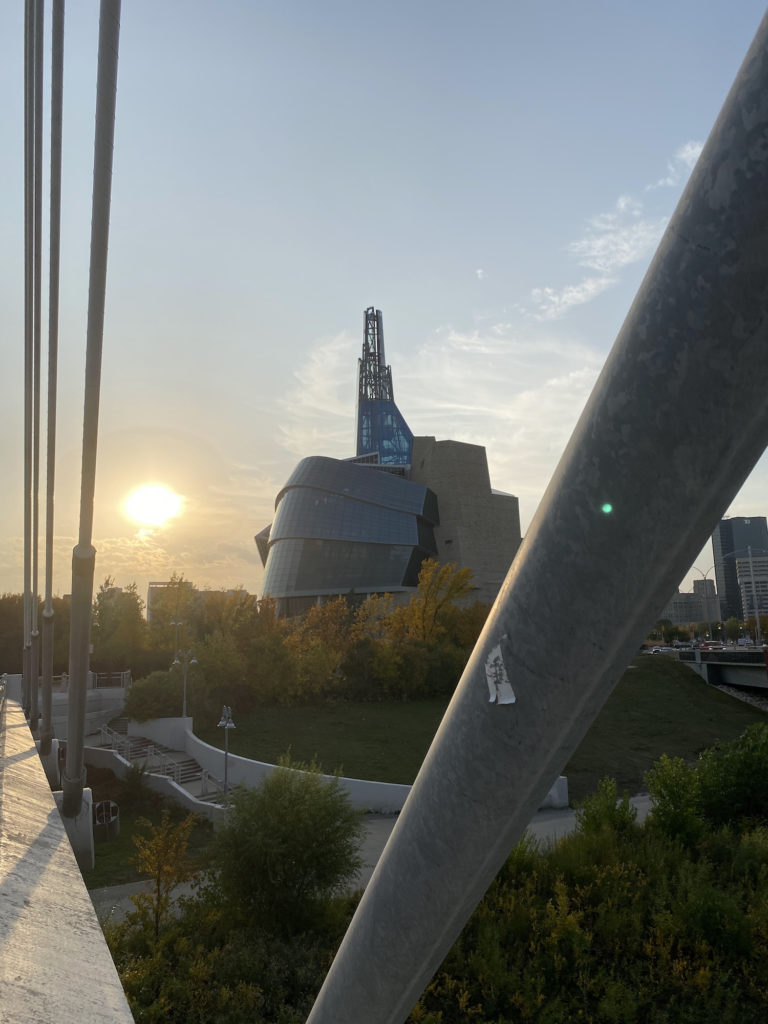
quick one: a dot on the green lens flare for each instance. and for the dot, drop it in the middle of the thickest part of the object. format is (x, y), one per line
(607, 508)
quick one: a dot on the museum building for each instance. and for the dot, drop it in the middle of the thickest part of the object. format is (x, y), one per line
(362, 526)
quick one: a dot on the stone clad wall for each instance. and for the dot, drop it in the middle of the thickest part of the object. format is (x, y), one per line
(479, 529)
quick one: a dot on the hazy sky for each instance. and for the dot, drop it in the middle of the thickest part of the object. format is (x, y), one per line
(494, 176)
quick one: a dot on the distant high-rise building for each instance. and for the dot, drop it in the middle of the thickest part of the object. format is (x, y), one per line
(693, 608)
(752, 574)
(364, 525)
(731, 540)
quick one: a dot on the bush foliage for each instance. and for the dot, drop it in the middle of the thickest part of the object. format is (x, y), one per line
(380, 650)
(619, 923)
(665, 922)
(287, 845)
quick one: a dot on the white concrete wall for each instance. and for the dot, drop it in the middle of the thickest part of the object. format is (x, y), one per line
(381, 797)
(384, 797)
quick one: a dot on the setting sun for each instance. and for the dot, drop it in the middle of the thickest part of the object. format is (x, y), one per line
(152, 505)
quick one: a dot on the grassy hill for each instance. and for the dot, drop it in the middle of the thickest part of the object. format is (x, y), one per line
(659, 706)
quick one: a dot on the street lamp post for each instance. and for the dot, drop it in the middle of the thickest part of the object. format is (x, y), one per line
(176, 639)
(705, 595)
(187, 659)
(226, 724)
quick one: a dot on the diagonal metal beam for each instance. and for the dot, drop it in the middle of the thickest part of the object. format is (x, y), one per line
(675, 423)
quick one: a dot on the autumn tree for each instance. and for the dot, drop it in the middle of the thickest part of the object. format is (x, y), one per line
(371, 619)
(161, 853)
(319, 642)
(441, 586)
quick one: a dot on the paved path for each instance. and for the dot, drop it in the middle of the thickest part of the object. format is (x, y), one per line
(114, 902)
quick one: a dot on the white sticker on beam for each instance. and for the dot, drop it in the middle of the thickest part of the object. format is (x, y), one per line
(499, 685)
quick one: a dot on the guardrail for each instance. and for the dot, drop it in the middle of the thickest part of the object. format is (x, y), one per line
(121, 744)
(730, 657)
(207, 778)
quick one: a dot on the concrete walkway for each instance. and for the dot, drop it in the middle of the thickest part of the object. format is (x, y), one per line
(114, 902)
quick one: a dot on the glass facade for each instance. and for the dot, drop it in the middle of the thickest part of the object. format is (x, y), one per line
(730, 540)
(341, 528)
(381, 428)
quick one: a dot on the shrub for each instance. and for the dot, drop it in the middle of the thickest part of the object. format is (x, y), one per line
(603, 811)
(728, 785)
(733, 779)
(158, 695)
(674, 789)
(287, 844)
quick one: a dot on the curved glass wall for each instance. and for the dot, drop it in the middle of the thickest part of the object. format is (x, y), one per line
(341, 528)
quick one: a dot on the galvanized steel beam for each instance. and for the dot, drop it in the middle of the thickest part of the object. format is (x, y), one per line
(676, 421)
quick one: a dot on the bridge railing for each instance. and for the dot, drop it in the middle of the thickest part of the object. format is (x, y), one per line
(727, 657)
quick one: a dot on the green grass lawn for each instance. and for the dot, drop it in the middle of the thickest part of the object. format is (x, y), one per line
(660, 706)
(386, 742)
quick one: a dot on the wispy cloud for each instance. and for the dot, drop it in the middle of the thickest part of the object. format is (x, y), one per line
(515, 392)
(617, 238)
(552, 303)
(317, 411)
(612, 240)
(680, 166)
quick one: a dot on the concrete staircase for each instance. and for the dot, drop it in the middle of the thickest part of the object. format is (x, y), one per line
(159, 759)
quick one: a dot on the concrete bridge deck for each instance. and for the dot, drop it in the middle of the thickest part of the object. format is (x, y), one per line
(55, 964)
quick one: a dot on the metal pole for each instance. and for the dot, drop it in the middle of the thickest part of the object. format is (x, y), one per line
(29, 236)
(226, 758)
(184, 699)
(84, 554)
(38, 246)
(610, 515)
(57, 89)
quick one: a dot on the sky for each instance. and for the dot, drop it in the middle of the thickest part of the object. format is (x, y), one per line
(494, 176)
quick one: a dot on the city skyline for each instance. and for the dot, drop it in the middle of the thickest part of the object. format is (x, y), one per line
(494, 180)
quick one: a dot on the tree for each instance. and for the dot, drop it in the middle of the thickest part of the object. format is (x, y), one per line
(158, 695)
(162, 854)
(118, 633)
(441, 587)
(286, 845)
(319, 642)
(11, 631)
(178, 601)
(372, 617)
(732, 628)
(219, 678)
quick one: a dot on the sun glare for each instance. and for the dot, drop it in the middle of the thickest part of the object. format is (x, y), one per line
(152, 505)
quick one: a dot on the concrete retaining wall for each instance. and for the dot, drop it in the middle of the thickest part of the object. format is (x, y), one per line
(381, 797)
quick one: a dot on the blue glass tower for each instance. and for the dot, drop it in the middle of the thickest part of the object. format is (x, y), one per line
(382, 433)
